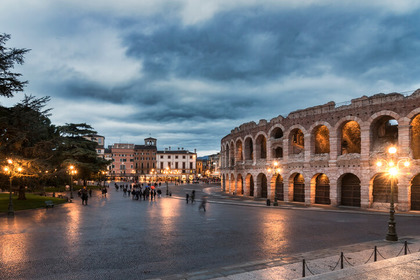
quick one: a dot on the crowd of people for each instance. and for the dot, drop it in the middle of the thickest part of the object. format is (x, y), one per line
(140, 190)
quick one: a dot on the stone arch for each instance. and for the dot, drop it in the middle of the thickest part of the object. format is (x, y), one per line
(239, 150)
(227, 154)
(349, 136)
(232, 183)
(383, 130)
(249, 148)
(249, 181)
(381, 188)
(415, 193)
(349, 188)
(320, 135)
(298, 186)
(239, 185)
(261, 146)
(321, 188)
(296, 140)
(415, 136)
(227, 183)
(276, 132)
(262, 187)
(277, 187)
(232, 153)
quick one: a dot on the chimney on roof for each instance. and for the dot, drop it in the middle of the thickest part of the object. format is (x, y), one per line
(195, 151)
(169, 148)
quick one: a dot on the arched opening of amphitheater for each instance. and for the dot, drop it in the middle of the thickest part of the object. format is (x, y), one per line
(298, 188)
(262, 184)
(350, 190)
(322, 189)
(415, 193)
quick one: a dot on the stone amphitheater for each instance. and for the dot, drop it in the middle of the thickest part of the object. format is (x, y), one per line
(329, 154)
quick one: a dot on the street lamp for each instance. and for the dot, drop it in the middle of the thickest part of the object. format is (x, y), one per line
(275, 170)
(167, 171)
(12, 170)
(392, 164)
(72, 171)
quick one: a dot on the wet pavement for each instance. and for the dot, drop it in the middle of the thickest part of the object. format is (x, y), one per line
(120, 238)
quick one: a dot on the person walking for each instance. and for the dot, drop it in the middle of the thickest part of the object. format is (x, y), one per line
(187, 197)
(192, 196)
(203, 204)
(84, 196)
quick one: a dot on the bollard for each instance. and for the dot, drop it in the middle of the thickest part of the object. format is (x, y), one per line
(268, 202)
(375, 256)
(303, 268)
(275, 203)
(342, 260)
(405, 247)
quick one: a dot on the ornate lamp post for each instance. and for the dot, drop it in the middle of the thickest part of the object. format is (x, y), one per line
(72, 171)
(13, 170)
(275, 170)
(392, 164)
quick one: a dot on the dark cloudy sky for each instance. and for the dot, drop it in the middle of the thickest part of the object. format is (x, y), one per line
(188, 71)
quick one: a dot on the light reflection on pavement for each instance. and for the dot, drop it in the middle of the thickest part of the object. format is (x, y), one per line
(120, 238)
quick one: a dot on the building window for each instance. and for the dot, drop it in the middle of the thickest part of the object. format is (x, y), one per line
(161, 156)
(183, 157)
(176, 165)
(191, 165)
(176, 156)
(169, 156)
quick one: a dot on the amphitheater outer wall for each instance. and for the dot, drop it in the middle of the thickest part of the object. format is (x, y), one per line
(327, 154)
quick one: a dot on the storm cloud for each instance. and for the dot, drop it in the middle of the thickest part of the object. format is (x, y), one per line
(187, 72)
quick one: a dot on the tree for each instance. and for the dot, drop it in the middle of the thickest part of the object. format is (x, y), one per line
(79, 151)
(9, 81)
(27, 136)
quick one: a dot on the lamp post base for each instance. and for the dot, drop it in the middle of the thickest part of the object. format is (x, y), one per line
(392, 233)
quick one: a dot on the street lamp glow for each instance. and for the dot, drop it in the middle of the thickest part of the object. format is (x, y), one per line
(6, 169)
(392, 150)
(393, 171)
(275, 163)
(392, 165)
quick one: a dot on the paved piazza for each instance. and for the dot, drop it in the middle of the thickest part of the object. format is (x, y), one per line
(120, 238)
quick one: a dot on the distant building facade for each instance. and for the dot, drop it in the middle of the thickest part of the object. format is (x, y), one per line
(123, 165)
(327, 154)
(145, 157)
(181, 164)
